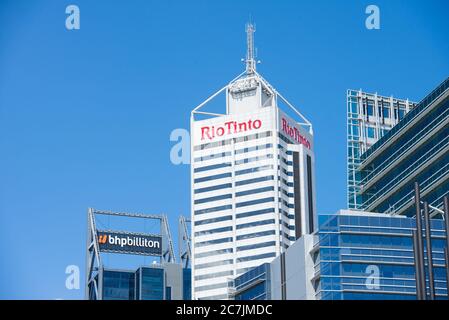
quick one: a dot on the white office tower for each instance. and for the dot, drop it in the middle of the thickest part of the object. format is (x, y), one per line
(252, 181)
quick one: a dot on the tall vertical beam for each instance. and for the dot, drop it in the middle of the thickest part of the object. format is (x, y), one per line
(419, 248)
(446, 220)
(416, 262)
(446, 259)
(250, 56)
(429, 251)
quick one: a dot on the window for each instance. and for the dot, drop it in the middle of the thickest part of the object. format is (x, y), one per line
(370, 132)
(213, 188)
(256, 257)
(254, 213)
(214, 275)
(213, 209)
(213, 253)
(370, 109)
(254, 180)
(212, 231)
(214, 177)
(212, 167)
(255, 224)
(254, 202)
(212, 242)
(256, 234)
(257, 246)
(251, 170)
(212, 286)
(215, 198)
(213, 264)
(207, 221)
(253, 191)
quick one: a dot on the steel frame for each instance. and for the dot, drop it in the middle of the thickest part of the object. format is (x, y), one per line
(94, 262)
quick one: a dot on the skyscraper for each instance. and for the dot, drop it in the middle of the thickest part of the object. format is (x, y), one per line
(369, 117)
(252, 180)
(415, 150)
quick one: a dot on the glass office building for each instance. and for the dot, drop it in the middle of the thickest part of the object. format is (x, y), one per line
(252, 285)
(353, 256)
(369, 117)
(158, 282)
(414, 150)
(371, 257)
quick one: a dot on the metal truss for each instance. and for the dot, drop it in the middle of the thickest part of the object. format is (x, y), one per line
(184, 241)
(250, 74)
(265, 86)
(94, 262)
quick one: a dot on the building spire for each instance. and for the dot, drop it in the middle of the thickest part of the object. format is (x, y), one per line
(250, 56)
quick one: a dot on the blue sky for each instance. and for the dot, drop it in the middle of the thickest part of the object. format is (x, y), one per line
(86, 115)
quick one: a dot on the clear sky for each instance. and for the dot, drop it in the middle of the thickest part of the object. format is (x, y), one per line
(86, 115)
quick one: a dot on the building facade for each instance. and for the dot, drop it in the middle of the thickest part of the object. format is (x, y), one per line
(369, 118)
(414, 150)
(133, 277)
(252, 182)
(157, 282)
(353, 256)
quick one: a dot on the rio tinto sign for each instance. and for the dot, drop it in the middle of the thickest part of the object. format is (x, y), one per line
(229, 127)
(294, 133)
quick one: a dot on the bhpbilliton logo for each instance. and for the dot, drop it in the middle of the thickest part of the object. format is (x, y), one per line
(130, 241)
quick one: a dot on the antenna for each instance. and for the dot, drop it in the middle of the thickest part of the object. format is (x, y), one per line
(250, 56)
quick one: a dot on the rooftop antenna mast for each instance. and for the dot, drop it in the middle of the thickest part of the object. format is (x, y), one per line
(250, 56)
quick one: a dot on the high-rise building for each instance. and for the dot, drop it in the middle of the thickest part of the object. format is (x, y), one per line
(414, 150)
(252, 180)
(369, 117)
(161, 278)
(353, 256)
(168, 281)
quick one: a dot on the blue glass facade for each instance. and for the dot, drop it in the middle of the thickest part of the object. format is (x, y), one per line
(187, 284)
(254, 284)
(415, 150)
(353, 256)
(151, 284)
(371, 257)
(147, 283)
(118, 285)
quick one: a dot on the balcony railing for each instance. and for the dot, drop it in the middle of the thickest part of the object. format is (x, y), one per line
(412, 168)
(406, 147)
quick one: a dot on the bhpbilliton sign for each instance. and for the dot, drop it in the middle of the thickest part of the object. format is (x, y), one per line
(120, 242)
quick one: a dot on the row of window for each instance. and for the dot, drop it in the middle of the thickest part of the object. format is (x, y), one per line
(213, 253)
(229, 153)
(253, 159)
(228, 174)
(221, 143)
(229, 228)
(239, 215)
(212, 231)
(237, 183)
(238, 194)
(226, 207)
(212, 286)
(215, 275)
(228, 164)
(243, 226)
(230, 261)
